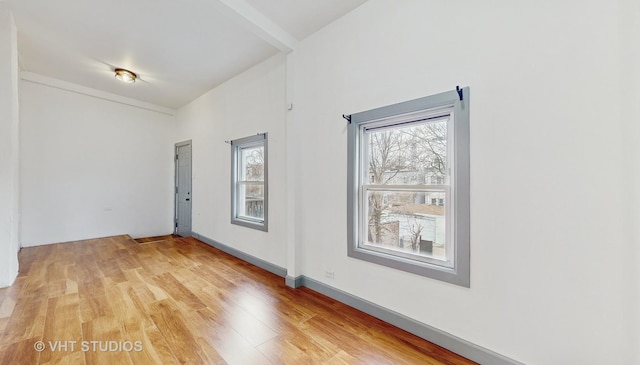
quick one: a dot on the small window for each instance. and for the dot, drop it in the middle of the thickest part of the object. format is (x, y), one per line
(408, 198)
(249, 188)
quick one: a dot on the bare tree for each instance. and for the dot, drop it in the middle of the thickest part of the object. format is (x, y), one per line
(255, 163)
(254, 172)
(421, 148)
(430, 141)
(416, 234)
(385, 161)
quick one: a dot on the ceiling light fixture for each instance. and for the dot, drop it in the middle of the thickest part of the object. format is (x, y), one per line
(125, 75)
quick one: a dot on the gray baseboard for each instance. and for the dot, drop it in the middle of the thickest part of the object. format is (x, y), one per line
(458, 345)
(462, 347)
(274, 269)
(294, 282)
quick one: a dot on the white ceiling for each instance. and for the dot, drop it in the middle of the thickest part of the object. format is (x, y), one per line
(180, 49)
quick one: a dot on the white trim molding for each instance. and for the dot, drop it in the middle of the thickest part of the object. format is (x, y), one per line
(75, 88)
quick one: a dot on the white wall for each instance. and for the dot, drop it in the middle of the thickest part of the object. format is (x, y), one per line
(550, 279)
(630, 98)
(91, 167)
(9, 152)
(253, 102)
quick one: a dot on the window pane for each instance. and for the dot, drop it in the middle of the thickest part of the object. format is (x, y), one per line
(412, 154)
(407, 222)
(251, 200)
(252, 164)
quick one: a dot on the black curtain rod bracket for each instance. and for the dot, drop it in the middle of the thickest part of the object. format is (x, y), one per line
(347, 117)
(459, 91)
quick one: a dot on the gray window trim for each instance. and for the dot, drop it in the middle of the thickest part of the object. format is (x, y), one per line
(258, 139)
(460, 273)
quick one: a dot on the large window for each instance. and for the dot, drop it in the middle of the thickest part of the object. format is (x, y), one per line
(249, 188)
(409, 186)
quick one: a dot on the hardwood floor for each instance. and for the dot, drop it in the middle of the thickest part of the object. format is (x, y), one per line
(180, 301)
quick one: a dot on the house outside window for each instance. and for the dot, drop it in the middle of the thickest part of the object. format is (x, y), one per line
(408, 198)
(249, 182)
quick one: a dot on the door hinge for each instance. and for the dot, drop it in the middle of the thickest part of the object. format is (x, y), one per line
(176, 224)
(176, 156)
(176, 190)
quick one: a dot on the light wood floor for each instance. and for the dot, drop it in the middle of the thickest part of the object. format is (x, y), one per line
(178, 300)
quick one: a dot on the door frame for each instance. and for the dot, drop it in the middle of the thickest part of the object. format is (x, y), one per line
(175, 184)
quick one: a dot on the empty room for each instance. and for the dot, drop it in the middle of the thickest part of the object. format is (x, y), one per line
(320, 182)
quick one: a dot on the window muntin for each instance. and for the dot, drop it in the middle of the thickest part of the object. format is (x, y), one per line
(400, 160)
(249, 182)
(408, 202)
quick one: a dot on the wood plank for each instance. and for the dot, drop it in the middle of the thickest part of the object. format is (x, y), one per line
(20, 352)
(297, 348)
(172, 325)
(93, 300)
(178, 292)
(70, 358)
(26, 321)
(233, 347)
(100, 333)
(62, 325)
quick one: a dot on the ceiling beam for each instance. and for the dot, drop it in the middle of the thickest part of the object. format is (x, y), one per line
(246, 15)
(94, 93)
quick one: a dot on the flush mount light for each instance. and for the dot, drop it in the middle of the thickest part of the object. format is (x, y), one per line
(125, 75)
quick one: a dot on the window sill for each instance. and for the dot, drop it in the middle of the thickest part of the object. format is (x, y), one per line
(258, 225)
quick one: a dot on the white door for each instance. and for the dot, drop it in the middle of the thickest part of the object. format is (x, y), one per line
(183, 189)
